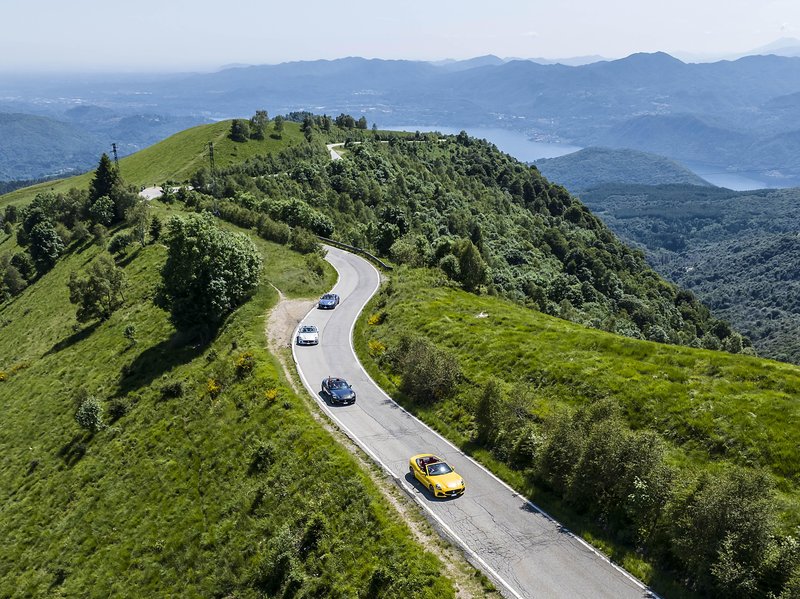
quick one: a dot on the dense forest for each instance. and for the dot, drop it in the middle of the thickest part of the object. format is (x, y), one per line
(738, 251)
(488, 221)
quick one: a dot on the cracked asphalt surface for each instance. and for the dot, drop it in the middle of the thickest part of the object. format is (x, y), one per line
(525, 552)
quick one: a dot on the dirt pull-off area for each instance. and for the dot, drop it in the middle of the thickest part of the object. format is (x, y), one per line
(283, 321)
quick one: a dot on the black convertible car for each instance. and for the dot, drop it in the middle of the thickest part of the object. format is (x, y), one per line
(338, 391)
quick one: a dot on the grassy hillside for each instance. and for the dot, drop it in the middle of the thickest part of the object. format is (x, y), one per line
(708, 409)
(207, 480)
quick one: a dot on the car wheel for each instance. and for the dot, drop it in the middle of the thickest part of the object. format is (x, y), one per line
(411, 469)
(432, 491)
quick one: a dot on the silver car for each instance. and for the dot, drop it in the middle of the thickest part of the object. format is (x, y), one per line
(307, 335)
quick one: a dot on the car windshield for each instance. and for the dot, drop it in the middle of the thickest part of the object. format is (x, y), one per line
(308, 329)
(437, 469)
(337, 384)
(328, 296)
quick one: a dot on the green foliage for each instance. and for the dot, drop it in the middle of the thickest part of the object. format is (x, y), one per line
(89, 414)
(695, 237)
(179, 470)
(101, 293)
(258, 124)
(45, 245)
(240, 130)
(102, 211)
(106, 180)
(130, 333)
(488, 417)
(120, 242)
(428, 374)
(156, 225)
(138, 218)
(304, 241)
(723, 531)
(510, 231)
(209, 272)
(100, 235)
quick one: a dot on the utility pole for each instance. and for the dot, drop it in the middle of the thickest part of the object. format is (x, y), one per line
(116, 158)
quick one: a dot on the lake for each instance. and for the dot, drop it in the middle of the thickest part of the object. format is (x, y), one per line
(522, 148)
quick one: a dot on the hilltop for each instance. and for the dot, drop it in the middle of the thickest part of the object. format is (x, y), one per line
(591, 167)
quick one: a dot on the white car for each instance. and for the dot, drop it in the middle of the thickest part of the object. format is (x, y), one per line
(307, 335)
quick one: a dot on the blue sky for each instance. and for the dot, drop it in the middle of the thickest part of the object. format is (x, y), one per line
(165, 35)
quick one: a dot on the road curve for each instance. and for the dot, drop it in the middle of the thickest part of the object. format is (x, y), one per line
(524, 551)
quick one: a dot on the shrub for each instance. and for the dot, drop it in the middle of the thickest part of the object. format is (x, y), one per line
(213, 388)
(428, 373)
(304, 241)
(245, 364)
(120, 242)
(89, 414)
(172, 389)
(3, 376)
(271, 395)
(376, 348)
(262, 457)
(118, 407)
(315, 265)
(274, 231)
(376, 318)
(130, 333)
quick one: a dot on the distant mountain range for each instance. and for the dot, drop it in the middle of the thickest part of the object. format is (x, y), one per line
(741, 115)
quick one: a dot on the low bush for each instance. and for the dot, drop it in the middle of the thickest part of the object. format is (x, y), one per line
(89, 414)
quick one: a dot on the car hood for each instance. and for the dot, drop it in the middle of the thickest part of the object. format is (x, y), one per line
(327, 302)
(308, 336)
(451, 480)
(342, 393)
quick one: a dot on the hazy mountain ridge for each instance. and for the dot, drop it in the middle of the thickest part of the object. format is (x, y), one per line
(727, 111)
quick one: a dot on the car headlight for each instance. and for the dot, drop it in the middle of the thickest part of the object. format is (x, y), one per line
(462, 482)
(438, 486)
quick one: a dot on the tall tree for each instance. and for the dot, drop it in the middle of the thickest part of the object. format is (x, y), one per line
(209, 272)
(101, 293)
(240, 130)
(138, 216)
(45, 245)
(258, 124)
(278, 125)
(106, 179)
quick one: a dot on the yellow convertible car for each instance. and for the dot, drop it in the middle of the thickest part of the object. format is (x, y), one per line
(437, 475)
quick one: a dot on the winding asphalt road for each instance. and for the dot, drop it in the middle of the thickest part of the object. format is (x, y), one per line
(524, 551)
